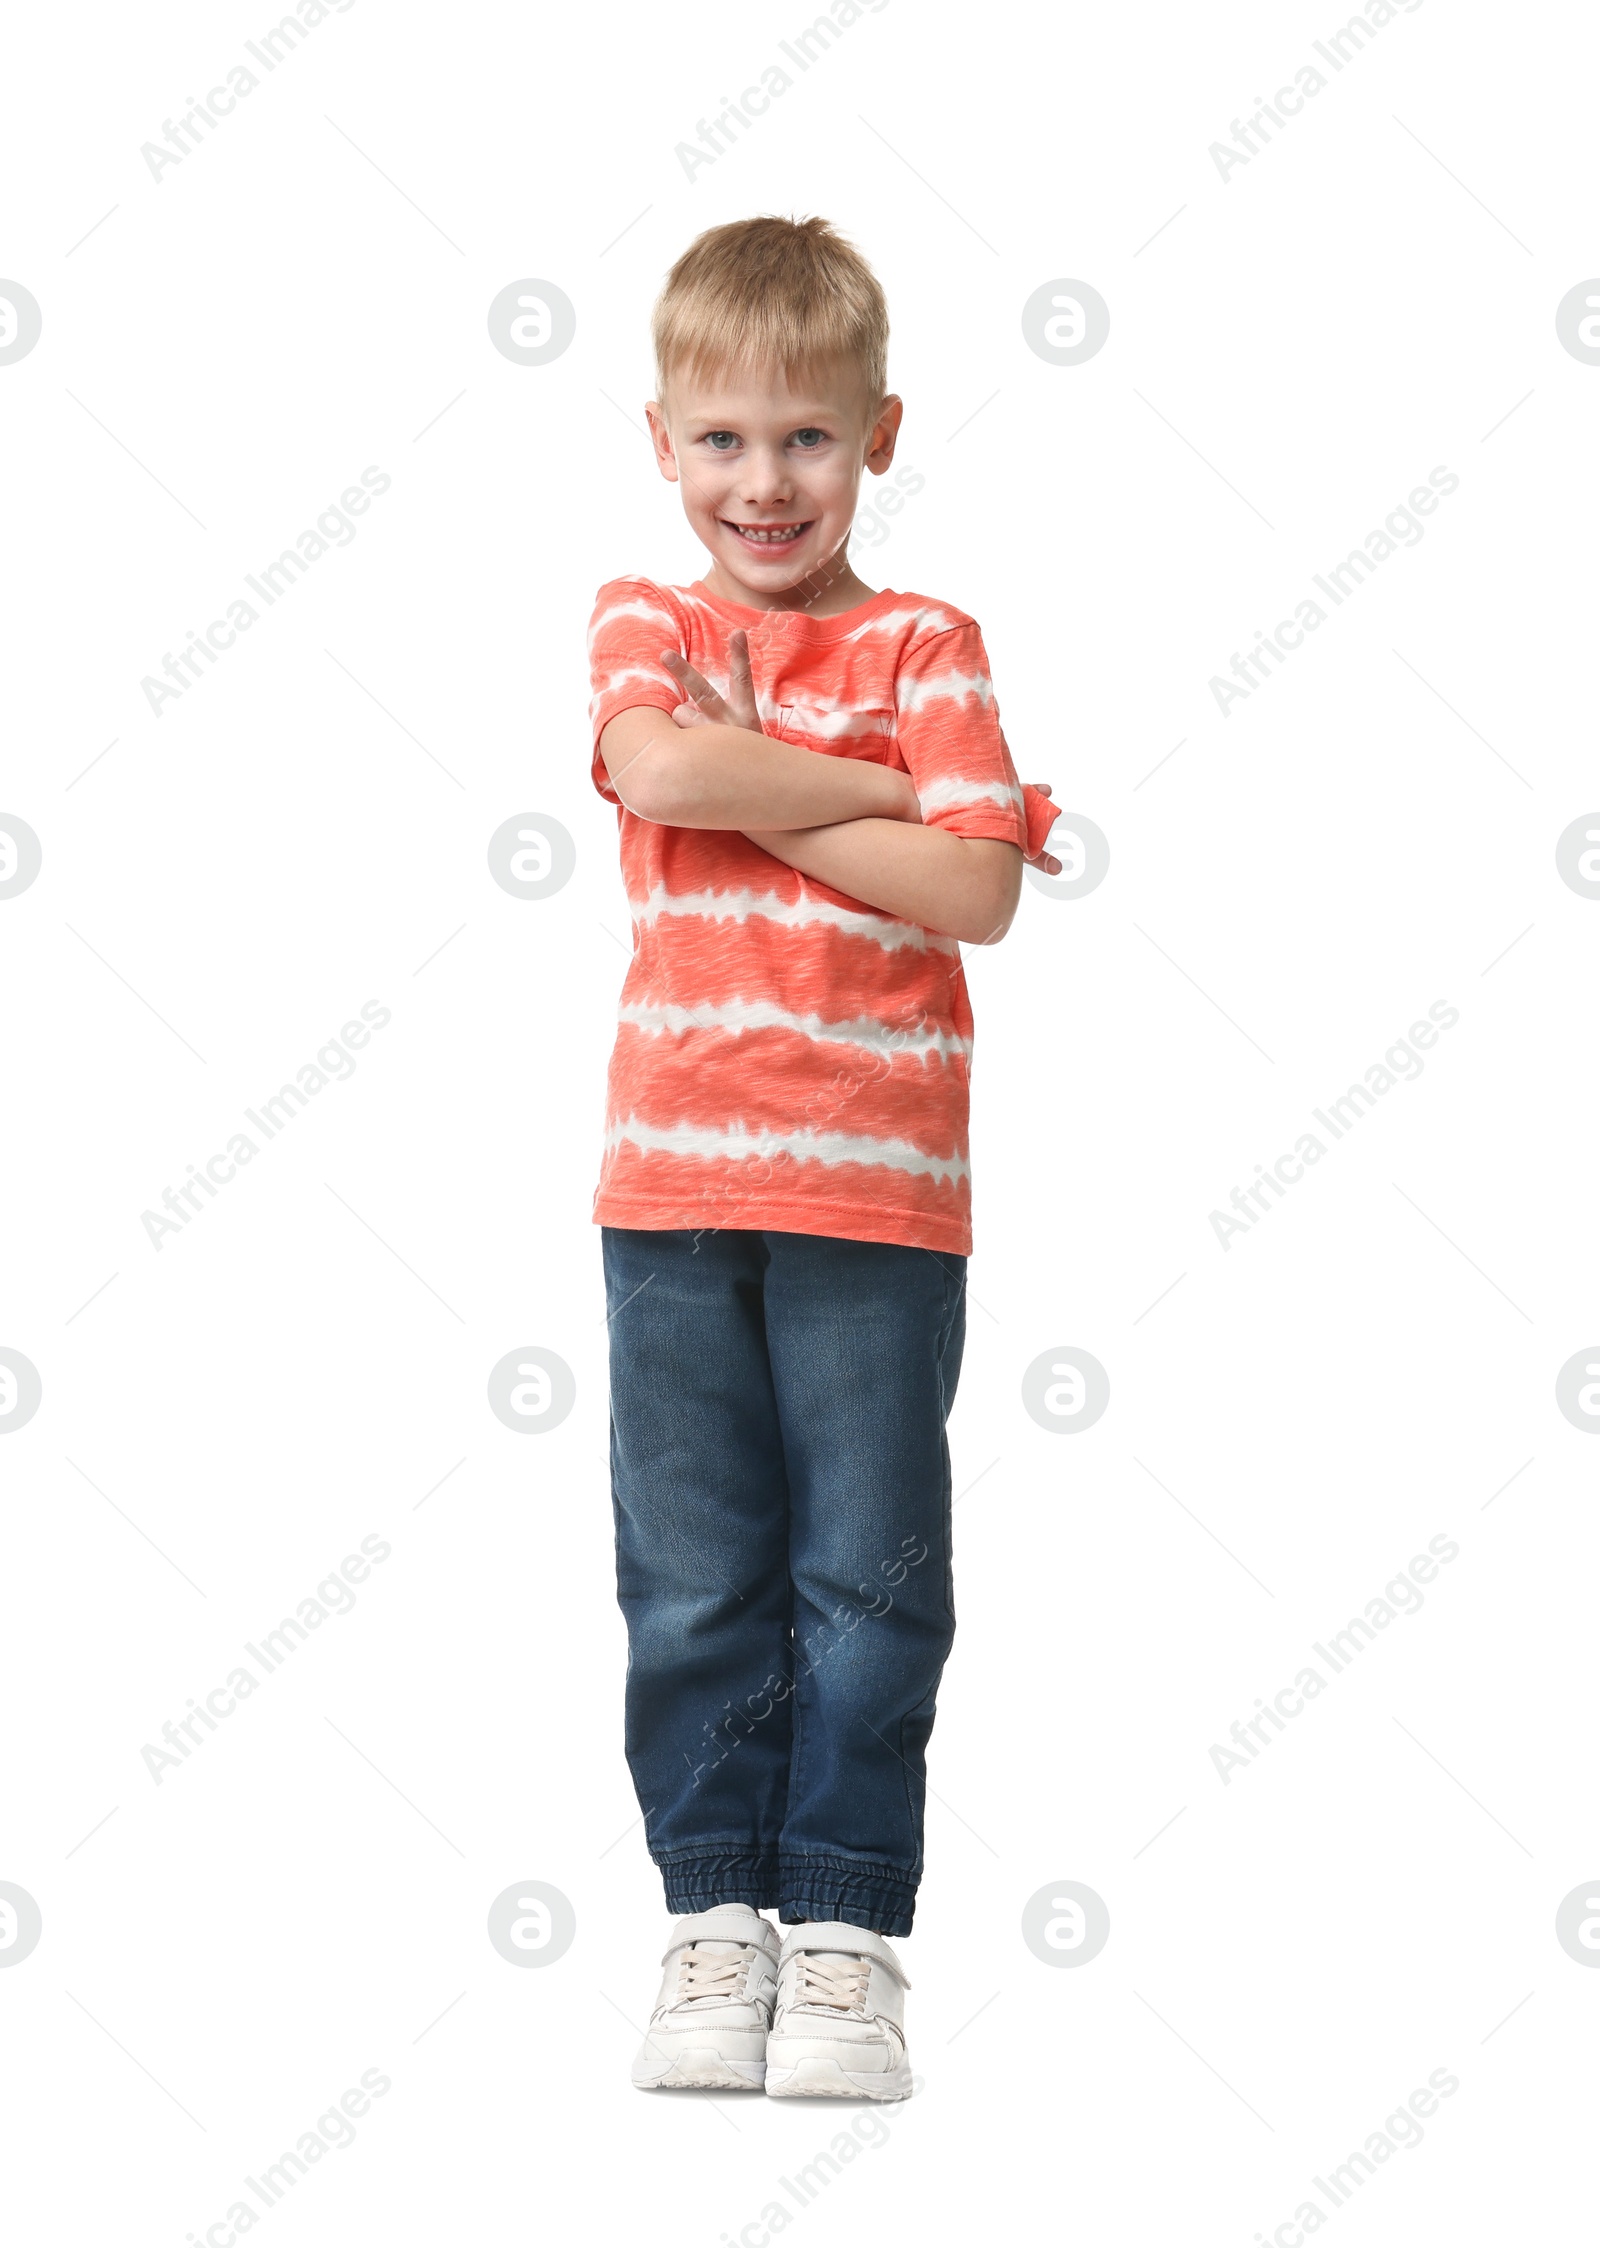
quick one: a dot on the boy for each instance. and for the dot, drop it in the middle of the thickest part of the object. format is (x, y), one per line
(784, 1193)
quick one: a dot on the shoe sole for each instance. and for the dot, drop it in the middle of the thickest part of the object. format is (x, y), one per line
(702, 2070)
(825, 2079)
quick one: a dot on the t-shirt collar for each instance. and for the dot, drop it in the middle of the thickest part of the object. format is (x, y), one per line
(792, 624)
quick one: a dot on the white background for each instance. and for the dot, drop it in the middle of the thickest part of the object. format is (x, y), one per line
(305, 1364)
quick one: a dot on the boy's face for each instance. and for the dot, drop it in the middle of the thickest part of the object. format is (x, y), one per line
(752, 456)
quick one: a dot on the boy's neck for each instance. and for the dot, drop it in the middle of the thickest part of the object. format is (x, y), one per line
(825, 592)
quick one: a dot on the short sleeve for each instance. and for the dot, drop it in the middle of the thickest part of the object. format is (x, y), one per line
(633, 622)
(947, 728)
(1041, 813)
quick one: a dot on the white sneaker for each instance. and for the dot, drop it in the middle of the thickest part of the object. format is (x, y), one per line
(709, 2028)
(840, 2021)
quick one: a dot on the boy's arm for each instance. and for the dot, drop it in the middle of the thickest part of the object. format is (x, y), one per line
(723, 776)
(965, 887)
(962, 886)
(707, 762)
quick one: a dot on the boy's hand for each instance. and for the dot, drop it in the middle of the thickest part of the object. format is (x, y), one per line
(1042, 859)
(704, 706)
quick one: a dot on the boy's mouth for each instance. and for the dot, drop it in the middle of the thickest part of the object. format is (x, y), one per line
(767, 535)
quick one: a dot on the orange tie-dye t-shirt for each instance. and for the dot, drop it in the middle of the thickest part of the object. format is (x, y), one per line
(787, 1057)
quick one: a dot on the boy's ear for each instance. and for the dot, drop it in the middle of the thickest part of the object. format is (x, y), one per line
(661, 439)
(885, 430)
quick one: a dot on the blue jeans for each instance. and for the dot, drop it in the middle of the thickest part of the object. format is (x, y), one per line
(781, 1490)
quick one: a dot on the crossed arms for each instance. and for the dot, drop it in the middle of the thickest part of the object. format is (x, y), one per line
(850, 823)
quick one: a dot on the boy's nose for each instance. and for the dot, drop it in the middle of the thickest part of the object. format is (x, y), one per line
(766, 480)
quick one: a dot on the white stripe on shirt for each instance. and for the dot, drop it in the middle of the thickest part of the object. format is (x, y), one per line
(827, 1148)
(739, 1015)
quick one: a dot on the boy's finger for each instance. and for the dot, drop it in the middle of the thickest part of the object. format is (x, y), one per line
(688, 678)
(741, 688)
(712, 712)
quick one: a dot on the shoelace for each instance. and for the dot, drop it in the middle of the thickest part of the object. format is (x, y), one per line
(838, 1984)
(713, 1974)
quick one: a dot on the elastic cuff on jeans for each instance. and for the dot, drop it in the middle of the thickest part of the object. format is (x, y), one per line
(695, 1881)
(870, 1896)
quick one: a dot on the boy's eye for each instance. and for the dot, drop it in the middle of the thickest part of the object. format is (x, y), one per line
(810, 439)
(714, 438)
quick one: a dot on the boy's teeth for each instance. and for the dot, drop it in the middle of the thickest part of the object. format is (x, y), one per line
(769, 538)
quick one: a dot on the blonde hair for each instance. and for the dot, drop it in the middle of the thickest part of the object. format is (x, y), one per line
(785, 292)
